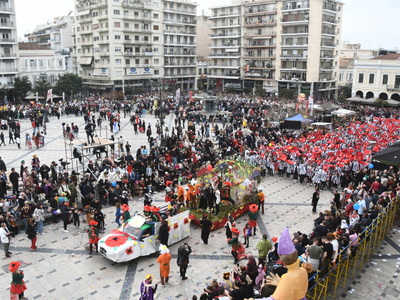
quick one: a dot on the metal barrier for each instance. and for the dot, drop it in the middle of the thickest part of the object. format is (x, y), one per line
(326, 286)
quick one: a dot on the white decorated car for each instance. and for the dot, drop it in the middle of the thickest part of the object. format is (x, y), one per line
(128, 243)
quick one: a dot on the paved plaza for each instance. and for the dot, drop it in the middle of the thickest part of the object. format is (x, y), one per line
(61, 268)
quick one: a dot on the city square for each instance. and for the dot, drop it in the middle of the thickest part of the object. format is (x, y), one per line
(258, 139)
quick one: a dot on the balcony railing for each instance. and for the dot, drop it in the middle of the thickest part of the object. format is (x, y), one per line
(225, 34)
(260, 44)
(179, 53)
(8, 54)
(395, 87)
(7, 24)
(294, 56)
(225, 54)
(7, 40)
(5, 8)
(296, 5)
(259, 23)
(180, 21)
(180, 31)
(8, 70)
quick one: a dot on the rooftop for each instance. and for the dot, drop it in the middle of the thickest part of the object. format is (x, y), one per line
(390, 56)
(32, 46)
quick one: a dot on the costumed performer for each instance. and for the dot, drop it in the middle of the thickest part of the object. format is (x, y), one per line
(253, 214)
(164, 260)
(294, 284)
(93, 233)
(17, 284)
(238, 251)
(147, 290)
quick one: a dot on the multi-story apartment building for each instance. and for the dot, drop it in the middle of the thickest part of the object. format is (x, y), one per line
(378, 77)
(8, 44)
(226, 46)
(259, 44)
(57, 36)
(135, 43)
(283, 44)
(180, 43)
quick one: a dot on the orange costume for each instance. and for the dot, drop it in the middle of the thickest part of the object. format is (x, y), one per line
(181, 194)
(164, 260)
(191, 196)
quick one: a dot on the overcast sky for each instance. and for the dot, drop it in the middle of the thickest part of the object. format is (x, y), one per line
(372, 23)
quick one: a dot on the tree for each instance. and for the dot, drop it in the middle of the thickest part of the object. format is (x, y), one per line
(68, 83)
(42, 86)
(22, 85)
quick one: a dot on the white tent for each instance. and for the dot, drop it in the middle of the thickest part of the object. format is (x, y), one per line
(343, 112)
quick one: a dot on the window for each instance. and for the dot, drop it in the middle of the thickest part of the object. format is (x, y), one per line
(127, 61)
(156, 38)
(136, 38)
(126, 25)
(136, 26)
(116, 12)
(96, 38)
(126, 13)
(155, 16)
(136, 14)
(156, 27)
(117, 24)
(137, 61)
(156, 61)
(32, 63)
(118, 73)
(97, 61)
(118, 49)
(127, 37)
(146, 61)
(117, 37)
(156, 72)
(361, 78)
(385, 79)
(118, 61)
(371, 78)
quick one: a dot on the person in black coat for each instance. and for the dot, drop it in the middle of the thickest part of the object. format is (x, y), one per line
(315, 199)
(205, 229)
(163, 233)
(183, 259)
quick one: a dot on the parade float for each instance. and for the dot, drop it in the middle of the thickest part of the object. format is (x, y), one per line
(130, 240)
(237, 182)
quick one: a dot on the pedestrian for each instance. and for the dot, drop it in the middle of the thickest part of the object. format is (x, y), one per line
(10, 137)
(315, 199)
(75, 215)
(17, 284)
(261, 199)
(118, 213)
(205, 229)
(228, 227)
(263, 247)
(238, 251)
(126, 214)
(3, 166)
(183, 259)
(93, 232)
(2, 139)
(28, 141)
(64, 215)
(14, 178)
(246, 234)
(164, 260)
(31, 231)
(18, 142)
(38, 215)
(163, 233)
(147, 290)
(5, 239)
(253, 214)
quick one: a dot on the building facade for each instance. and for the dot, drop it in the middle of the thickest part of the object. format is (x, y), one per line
(137, 44)
(279, 44)
(8, 44)
(378, 77)
(38, 61)
(56, 35)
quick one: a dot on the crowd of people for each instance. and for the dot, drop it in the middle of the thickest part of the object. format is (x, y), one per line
(337, 159)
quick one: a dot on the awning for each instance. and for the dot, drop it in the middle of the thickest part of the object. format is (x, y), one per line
(232, 50)
(85, 60)
(82, 13)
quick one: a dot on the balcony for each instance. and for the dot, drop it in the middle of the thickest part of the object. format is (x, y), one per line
(259, 23)
(329, 20)
(5, 8)
(223, 16)
(296, 6)
(8, 70)
(180, 53)
(229, 35)
(296, 33)
(294, 45)
(6, 24)
(93, 4)
(188, 32)
(146, 19)
(180, 10)
(7, 40)
(222, 55)
(259, 45)
(8, 55)
(184, 21)
(226, 25)
(216, 66)
(328, 45)
(180, 43)
(259, 12)
(136, 4)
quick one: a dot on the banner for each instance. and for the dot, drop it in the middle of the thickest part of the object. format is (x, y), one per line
(178, 95)
(311, 105)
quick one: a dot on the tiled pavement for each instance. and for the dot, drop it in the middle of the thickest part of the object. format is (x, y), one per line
(62, 269)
